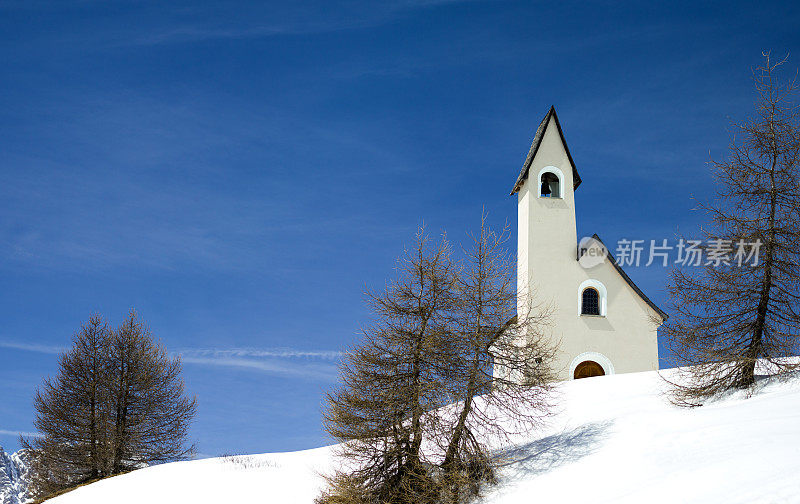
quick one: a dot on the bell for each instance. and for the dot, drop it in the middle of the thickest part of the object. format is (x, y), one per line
(545, 188)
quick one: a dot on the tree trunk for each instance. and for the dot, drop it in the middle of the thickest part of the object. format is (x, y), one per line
(754, 349)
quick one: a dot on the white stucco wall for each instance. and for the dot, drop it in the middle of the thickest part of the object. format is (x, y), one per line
(549, 274)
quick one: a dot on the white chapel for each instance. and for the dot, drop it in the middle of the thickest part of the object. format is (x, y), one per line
(603, 323)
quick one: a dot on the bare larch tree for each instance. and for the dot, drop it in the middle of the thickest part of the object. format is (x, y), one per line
(389, 382)
(149, 410)
(71, 415)
(117, 403)
(419, 402)
(730, 315)
(491, 329)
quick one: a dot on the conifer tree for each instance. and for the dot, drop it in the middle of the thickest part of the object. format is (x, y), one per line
(72, 415)
(419, 401)
(742, 308)
(389, 382)
(149, 411)
(491, 330)
(116, 404)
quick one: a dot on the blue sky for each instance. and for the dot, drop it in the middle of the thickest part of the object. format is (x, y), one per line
(240, 172)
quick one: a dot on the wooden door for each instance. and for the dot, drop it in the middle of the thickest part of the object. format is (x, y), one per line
(587, 369)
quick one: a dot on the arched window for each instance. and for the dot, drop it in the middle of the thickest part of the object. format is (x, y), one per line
(590, 301)
(550, 186)
(592, 296)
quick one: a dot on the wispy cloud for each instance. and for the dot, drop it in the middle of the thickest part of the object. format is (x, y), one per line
(311, 364)
(325, 372)
(16, 433)
(369, 16)
(55, 216)
(32, 347)
(285, 353)
(307, 364)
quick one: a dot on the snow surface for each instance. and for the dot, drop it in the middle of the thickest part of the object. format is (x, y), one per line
(615, 440)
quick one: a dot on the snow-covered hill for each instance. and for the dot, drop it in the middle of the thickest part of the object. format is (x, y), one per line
(13, 473)
(615, 440)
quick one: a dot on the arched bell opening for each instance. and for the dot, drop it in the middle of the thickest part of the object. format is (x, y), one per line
(550, 186)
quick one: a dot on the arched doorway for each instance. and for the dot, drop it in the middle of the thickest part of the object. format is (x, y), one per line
(587, 369)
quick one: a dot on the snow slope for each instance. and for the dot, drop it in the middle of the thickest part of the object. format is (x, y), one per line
(615, 440)
(13, 482)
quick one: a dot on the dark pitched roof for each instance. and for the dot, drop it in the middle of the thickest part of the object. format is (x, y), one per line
(537, 140)
(625, 276)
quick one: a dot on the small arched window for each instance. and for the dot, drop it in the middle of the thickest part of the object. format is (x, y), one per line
(550, 186)
(590, 301)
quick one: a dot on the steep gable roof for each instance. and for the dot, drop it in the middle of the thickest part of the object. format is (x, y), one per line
(625, 277)
(537, 140)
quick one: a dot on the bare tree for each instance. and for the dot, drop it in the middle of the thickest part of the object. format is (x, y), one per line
(389, 382)
(116, 404)
(491, 330)
(149, 411)
(729, 315)
(71, 415)
(420, 400)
